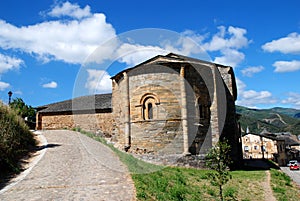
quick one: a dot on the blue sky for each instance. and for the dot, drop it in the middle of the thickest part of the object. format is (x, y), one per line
(45, 45)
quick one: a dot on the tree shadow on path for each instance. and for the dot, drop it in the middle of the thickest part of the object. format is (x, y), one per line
(6, 177)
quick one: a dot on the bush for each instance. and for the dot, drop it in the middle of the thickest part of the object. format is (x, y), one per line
(15, 140)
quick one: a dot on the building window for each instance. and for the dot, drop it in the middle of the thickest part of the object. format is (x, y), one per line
(255, 147)
(150, 111)
(149, 103)
(202, 109)
(246, 148)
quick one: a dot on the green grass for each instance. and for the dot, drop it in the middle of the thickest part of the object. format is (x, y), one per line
(174, 183)
(283, 187)
(154, 182)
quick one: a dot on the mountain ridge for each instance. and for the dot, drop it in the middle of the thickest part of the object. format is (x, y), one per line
(275, 119)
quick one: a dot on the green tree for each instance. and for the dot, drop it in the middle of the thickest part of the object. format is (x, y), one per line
(23, 109)
(218, 160)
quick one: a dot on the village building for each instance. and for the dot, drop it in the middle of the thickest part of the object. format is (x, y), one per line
(168, 104)
(279, 147)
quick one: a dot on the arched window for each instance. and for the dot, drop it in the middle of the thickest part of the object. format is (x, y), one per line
(148, 108)
(149, 103)
(150, 111)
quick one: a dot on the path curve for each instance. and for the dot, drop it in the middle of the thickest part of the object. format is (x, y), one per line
(74, 167)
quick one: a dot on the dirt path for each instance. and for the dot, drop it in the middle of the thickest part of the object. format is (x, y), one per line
(74, 167)
(267, 188)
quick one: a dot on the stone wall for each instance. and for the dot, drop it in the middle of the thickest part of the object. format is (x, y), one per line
(90, 122)
(163, 132)
(209, 99)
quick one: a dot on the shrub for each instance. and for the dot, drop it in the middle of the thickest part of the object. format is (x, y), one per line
(15, 139)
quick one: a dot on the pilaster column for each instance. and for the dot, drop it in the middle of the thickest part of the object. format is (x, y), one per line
(184, 113)
(214, 120)
(126, 112)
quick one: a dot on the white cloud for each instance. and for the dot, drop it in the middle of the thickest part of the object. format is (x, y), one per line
(286, 66)
(73, 40)
(251, 94)
(9, 63)
(190, 43)
(98, 81)
(71, 10)
(18, 92)
(241, 86)
(220, 41)
(252, 98)
(3, 86)
(187, 44)
(51, 84)
(286, 45)
(293, 99)
(250, 71)
(70, 41)
(230, 57)
(228, 42)
(135, 54)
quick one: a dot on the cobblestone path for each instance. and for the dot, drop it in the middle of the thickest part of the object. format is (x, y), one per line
(74, 167)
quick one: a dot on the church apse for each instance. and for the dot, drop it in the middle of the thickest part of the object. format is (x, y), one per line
(171, 105)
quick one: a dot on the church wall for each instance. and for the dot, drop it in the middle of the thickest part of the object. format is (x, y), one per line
(90, 122)
(165, 127)
(163, 132)
(198, 107)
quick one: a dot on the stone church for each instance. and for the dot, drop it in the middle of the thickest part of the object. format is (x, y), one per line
(169, 104)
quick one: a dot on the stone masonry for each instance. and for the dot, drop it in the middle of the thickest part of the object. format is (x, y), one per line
(166, 105)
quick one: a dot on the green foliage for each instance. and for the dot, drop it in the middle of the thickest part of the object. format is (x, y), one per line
(22, 109)
(218, 160)
(15, 139)
(230, 193)
(283, 187)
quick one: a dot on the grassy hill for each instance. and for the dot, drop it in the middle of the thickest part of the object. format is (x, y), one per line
(274, 120)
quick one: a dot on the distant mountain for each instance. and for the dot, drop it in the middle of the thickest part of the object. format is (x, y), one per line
(274, 120)
(288, 111)
(297, 115)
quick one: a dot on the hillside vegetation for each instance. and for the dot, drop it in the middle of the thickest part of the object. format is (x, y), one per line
(274, 120)
(15, 140)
